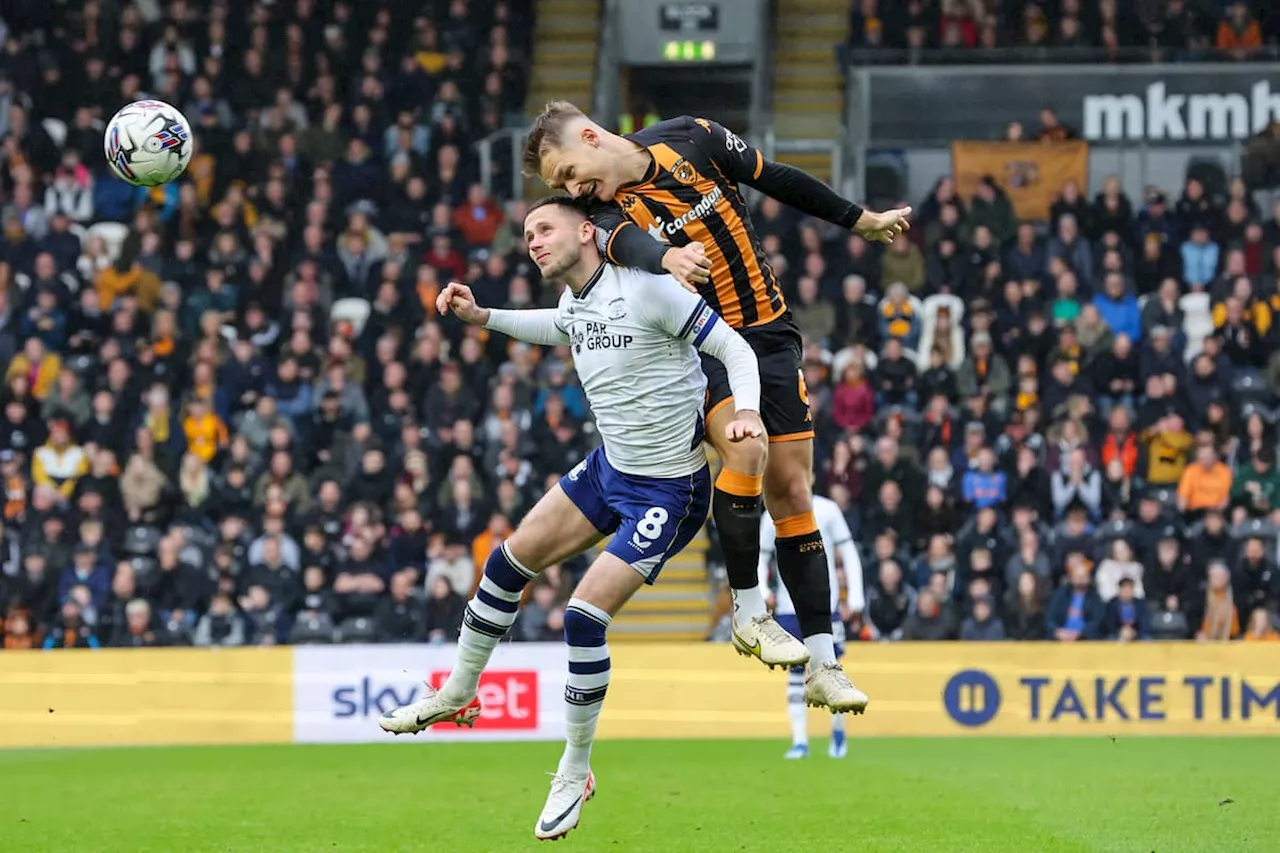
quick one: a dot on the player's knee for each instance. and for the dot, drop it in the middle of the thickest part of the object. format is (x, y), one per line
(529, 548)
(583, 627)
(747, 456)
(790, 497)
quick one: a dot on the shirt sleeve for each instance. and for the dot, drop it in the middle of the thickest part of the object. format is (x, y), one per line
(789, 185)
(623, 242)
(736, 159)
(535, 326)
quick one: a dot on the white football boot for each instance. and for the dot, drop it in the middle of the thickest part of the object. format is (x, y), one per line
(762, 637)
(828, 687)
(564, 806)
(429, 710)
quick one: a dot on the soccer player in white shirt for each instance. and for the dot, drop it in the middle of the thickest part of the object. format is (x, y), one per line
(635, 339)
(839, 542)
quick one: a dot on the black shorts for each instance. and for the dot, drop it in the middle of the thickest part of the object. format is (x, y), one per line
(784, 400)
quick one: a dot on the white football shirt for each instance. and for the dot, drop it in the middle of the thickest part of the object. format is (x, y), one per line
(635, 339)
(630, 333)
(835, 537)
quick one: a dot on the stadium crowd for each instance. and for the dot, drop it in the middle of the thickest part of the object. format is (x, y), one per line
(926, 31)
(204, 440)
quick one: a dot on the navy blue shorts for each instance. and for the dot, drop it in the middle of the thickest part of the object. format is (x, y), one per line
(651, 518)
(791, 625)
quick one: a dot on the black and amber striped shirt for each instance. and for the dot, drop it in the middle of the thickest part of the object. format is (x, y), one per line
(690, 194)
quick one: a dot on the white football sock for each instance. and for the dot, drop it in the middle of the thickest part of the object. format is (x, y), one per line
(747, 605)
(584, 691)
(822, 649)
(796, 709)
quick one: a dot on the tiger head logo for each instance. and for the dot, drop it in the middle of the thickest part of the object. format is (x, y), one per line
(684, 172)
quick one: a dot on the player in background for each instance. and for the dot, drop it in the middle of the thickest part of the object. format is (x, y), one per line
(635, 339)
(838, 541)
(668, 199)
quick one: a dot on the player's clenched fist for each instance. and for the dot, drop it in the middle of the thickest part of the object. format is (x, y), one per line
(688, 265)
(745, 424)
(459, 299)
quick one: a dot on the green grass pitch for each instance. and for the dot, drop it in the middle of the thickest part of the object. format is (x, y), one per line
(1139, 795)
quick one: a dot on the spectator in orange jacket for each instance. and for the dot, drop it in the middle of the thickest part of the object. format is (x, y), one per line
(1240, 33)
(1207, 483)
(479, 219)
(126, 278)
(491, 538)
(205, 431)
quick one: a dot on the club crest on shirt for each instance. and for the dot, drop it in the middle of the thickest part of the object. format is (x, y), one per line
(617, 308)
(684, 172)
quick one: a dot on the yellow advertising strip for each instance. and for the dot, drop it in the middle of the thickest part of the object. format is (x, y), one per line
(928, 689)
(132, 697)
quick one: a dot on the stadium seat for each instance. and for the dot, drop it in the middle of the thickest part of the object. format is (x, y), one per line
(928, 321)
(112, 233)
(351, 310)
(1255, 528)
(1268, 414)
(357, 629)
(201, 537)
(145, 570)
(1111, 531)
(1248, 387)
(841, 360)
(1166, 497)
(141, 541)
(312, 630)
(57, 130)
(1197, 319)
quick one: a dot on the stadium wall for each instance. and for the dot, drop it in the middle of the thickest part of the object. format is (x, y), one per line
(333, 694)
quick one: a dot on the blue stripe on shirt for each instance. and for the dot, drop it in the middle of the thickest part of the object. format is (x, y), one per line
(706, 330)
(693, 318)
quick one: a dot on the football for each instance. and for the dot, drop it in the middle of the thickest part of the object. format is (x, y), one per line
(148, 143)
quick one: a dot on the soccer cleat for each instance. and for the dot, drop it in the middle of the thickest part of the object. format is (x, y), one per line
(797, 750)
(429, 710)
(564, 806)
(828, 687)
(838, 747)
(762, 637)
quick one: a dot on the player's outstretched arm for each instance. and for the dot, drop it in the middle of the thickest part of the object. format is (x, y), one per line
(794, 187)
(535, 326)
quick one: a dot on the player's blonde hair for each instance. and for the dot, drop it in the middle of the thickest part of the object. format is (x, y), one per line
(546, 133)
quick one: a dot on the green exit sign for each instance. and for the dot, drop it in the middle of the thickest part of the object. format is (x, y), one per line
(689, 51)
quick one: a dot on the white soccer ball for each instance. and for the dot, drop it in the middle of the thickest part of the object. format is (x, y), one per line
(148, 143)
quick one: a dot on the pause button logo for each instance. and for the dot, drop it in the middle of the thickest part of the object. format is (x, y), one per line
(972, 698)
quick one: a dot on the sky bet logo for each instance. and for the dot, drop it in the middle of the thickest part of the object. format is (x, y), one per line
(510, 699)
(973, 698)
